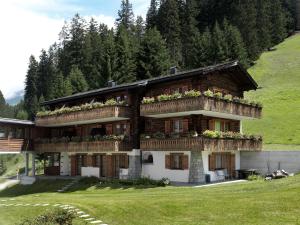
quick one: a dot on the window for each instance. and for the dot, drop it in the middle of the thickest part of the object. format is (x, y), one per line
(220, 125)
(177, 126)
(2, 133)
(120, 129)
(123, 161)
(176, 162)
(147, 157)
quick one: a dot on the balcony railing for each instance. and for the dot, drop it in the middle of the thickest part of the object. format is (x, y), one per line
(201, 144)
(103, 114)
(84, 147)
(199, 105)
(14, 145)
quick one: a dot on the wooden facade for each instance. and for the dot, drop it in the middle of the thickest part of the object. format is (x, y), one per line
(200, 144)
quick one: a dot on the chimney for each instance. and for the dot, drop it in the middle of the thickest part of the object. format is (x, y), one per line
(173, 70)
(111, 83)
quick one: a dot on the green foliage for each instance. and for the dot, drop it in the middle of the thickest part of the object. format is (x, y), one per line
(153, 59)
(208, 93)
(230, 135)
(192, 93)
(148, 100)
(77, 80)
(254, 177)
(52, 217)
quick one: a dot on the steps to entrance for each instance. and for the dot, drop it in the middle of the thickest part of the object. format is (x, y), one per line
(68, 186)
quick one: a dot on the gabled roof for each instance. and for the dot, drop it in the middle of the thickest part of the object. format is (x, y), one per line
(244, 76)
(15, 121)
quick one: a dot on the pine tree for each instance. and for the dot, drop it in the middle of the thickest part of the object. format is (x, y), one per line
(151, 18)
(245, 20)
(109, 49)
(58, 85)
(153, 57)
(67, 87)
(169, 27)
(93, 57)
(202, 50)
(2, 101)
(264, 26)
(45, 76)
(125, 58)
(189, 32)
(139, 29)
(235, 46)
(219, 46)
(279, 22)
(22, 115)
(125, 15)
(30, 96)
(77, 80)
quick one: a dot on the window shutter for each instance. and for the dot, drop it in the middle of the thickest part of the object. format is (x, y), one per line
(126, 163)
(109, 129)
(185, 125)
(185, 162)
(211, 125)
(212, 162)
(73, 165)
(168, 126)
(168, 161)
(232, 164)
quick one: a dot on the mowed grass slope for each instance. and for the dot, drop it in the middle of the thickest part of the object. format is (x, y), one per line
(278, 74)
(257, 202)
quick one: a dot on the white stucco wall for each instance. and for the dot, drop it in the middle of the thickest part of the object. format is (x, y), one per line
(158, 170)
(90, 172)
(65, 164)
(213, 176)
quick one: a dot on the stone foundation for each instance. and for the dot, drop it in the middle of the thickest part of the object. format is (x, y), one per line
(196, 174)
(135, 166)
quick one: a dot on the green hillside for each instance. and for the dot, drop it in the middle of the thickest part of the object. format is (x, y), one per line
(278, 74)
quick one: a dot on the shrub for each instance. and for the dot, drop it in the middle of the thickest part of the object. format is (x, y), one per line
(210, 134)
(218, 95)
(192, 93)
(89, 180)
(148, 100)
(51, 217)
(208, 93)
(163, 97)
(159, 135)
(254, 177)
(76, 139)
(111, 102)
(228, 98)
(176, 95)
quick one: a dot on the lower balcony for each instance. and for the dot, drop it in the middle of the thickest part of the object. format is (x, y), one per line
(14, 145)
(200, 144)
(84, 147)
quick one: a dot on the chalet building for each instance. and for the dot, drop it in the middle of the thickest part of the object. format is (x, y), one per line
(182, 126)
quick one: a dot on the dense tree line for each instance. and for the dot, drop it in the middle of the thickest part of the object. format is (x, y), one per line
(182, 33)
(8, 111)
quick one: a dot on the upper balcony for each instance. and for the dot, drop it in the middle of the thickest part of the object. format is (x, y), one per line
(8, 145)
(85, 114)
(82, 146)
(202, 143)
(199, 104)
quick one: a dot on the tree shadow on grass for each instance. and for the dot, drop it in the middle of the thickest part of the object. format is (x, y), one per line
(40, 186)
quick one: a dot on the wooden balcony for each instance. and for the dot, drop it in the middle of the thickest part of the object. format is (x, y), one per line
(200, 144)
(103, 114)
(84, 147)
(14, 145)
(201, 105)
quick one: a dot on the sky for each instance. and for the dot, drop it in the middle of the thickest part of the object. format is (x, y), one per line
(28, 26)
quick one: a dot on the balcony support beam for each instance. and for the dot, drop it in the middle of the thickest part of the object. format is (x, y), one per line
(26, 164)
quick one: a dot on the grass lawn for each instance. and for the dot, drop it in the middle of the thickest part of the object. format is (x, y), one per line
(256, 202)
(278, 74)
